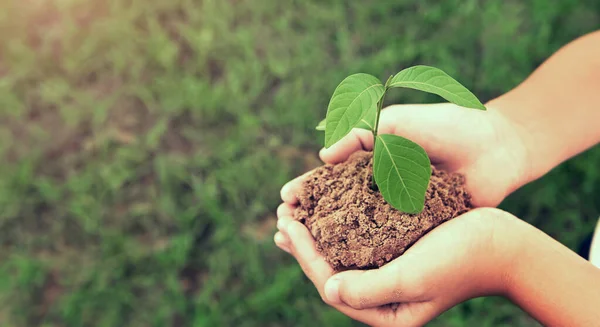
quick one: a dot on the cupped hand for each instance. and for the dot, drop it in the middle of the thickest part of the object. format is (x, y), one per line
(439, 270)
(483, 145)
(463, 258)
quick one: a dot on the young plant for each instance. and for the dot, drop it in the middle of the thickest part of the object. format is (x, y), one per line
(401, 168)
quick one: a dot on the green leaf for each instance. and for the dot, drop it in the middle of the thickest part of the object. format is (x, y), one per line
(433, 80)
(350, 103)
(367, 123)
(402, 170)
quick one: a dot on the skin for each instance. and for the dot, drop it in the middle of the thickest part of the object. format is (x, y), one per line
(550, 117)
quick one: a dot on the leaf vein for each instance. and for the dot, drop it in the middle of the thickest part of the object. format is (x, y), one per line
(394, 165)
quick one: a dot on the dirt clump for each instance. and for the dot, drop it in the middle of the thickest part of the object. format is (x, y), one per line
(355, 228)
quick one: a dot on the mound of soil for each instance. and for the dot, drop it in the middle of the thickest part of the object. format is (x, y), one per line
(355, 228)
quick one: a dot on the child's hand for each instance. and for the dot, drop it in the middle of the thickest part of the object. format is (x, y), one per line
(469, 256)
(547, 119)
(483, 145)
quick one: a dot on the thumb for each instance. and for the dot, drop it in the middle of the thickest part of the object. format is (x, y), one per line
(357, 139)
(414, 120)
(361, 289)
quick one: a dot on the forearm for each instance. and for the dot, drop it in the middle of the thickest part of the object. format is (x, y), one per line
(556, 110)
(553, 284)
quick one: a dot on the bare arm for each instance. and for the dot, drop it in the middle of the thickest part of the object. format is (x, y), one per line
(557, 113)
(557, 108)
(553, 284)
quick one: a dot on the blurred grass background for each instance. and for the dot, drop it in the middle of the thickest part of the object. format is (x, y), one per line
(143, 145)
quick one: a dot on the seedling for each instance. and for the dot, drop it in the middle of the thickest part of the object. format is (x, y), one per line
(401, 167)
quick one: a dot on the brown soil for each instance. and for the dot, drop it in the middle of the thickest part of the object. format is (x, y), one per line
(355, 228)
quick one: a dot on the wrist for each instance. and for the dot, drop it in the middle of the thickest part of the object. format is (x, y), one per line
(525, 243)
(509, 238)
(516, 140)
(507, 155)
(533, 256)
(499, 243)
(552, 283)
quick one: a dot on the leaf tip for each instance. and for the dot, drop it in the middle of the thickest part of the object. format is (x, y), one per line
(322, 125)
(478, 105)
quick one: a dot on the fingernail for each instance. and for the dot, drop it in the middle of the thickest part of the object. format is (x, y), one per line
(282, 224)
(284, 192)
(322, 152)
(280, 239)
(332, 290)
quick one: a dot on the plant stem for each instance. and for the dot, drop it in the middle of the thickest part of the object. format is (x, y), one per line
(379, 107)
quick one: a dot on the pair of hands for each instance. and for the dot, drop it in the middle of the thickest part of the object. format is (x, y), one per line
(469, 256)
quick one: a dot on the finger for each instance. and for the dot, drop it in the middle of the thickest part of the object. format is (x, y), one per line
(285, 209)
(382, 290)
(432, 126)
(282, 242)
(315, 267)
(362, 289)
(416, 313)
(427, 124)
(304, 249)
(357, 139)
(415, 276)
(283, 222)
(293, 187)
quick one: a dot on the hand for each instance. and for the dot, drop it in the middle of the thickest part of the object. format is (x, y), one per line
(483, 145)
(469, 256)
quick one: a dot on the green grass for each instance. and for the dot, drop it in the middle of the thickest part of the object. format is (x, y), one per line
(143, 145)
